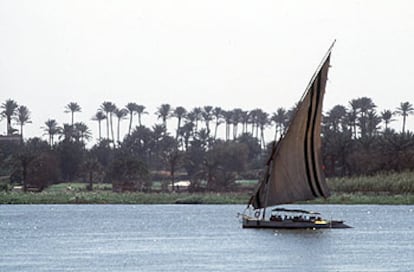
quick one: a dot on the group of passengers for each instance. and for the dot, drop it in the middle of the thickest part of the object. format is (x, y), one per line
(296, 218)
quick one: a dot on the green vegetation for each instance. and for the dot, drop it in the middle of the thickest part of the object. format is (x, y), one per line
(145, 164)
(380, 189)
(358, 198)
(108, 197)
(77, 194)
(394, 184)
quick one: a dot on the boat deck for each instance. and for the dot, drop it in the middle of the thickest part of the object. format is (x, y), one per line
(249, 222)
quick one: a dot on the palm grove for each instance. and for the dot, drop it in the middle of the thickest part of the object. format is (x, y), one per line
(357, 140)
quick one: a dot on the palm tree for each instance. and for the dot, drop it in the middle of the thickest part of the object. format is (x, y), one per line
(163, 113)
(132, 108)
(191, 118)
(172, 156)
(72, 107)
(81, 132)
(203, 137)
(373, 121)
(109, 108)
(386, 116)
(227, 115)
(254, 119)
(67, 132)
(235, 119)
(404, 110)
(207, 116)
(262, 121)
(364, 105)
(244, 119)
(353, 115)
(218, 115)
(335, 118)
(9, 110)
(23, 117)
(197, 116)
(99, 116)
(280, 119)
(158, 133)
(120, 115)
(179, 112)
(140, 112)
(51, 128)
(186, 133)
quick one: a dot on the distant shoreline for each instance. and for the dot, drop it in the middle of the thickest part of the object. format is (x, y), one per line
(108, 197)
(385, 189)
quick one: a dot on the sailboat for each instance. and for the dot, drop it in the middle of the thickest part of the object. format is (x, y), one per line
(294, 169)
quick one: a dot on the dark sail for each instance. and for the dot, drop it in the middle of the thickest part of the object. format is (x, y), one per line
(294, 170)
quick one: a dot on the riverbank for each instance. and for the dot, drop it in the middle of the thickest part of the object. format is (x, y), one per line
(108, 197)
(393, 189)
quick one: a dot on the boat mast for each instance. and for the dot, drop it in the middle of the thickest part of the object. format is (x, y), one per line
(268, 173)
(267, 189)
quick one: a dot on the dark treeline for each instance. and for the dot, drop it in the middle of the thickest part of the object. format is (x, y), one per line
(357, 140)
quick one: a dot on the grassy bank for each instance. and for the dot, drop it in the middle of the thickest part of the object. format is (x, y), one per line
(108, 197)
(370, 198)
(393, 183)
(381, 189)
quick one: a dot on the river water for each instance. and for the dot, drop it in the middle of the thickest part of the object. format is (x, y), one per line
(199, 238)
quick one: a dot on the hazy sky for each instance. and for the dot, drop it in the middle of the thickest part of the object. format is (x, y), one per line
(228, 53)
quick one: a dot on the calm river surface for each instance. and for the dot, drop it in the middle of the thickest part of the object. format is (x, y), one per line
(199, 238)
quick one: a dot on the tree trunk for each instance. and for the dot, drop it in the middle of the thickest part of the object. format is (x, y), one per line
(99, 129)
(112, 128)
(139, 119)
(403, 125)
(172, 174)
(90, 187)
(118, 128)
(130, 124)
(9, 129)
(107, 126)
(215, 131)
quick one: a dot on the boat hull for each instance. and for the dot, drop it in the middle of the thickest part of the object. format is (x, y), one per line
(290, 224)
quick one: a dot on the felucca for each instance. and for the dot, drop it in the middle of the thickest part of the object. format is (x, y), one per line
(294, 170)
